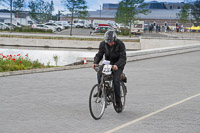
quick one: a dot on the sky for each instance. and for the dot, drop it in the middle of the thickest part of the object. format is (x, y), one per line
(93, 5)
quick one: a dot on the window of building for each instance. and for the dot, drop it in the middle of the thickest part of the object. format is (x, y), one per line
(110, 6)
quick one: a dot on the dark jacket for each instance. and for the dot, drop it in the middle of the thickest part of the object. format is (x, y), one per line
(116, 54)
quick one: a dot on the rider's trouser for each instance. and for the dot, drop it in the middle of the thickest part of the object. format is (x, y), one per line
(116, 82)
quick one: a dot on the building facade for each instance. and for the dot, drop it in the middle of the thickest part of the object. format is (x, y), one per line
(22, 17)
(160, 13)
(110, 6)
(174, 5)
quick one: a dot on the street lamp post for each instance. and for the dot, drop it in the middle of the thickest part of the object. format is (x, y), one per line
(57, 15)
(10, 15)
(100, 11)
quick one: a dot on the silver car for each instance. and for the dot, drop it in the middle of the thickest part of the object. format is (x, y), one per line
(4, 26)
(43, 27)
(58, 27)
(14, 25)
(63, 23)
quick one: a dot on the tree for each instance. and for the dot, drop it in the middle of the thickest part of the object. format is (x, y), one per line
(184, 14)
(33, 8)
(8, 2)
(190, 12)
(195, 11)
(18, 5)
(127, 11)
(77, 8)
(40, 10)
(3, 2)
(51, 8)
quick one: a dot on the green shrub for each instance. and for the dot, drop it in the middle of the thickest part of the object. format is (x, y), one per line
(16, 62)
(124, 32)
(28, 29)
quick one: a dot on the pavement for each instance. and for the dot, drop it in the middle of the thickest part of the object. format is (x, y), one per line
(131, 56)
(163, 97)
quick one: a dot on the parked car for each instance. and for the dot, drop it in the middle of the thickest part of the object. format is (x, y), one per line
(62, 26)
(14, 25)
(88, 26)
(71, 25)
(122, 26)
(63, 23)
(79, 25)
(43, 27)
(102, 29)
(4, 26)
(58, 27)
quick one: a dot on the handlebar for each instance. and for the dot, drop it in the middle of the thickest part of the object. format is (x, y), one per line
(98, 68)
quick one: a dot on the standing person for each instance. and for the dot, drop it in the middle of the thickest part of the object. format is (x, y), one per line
(168, 29)
(157, 28)
(114, 50)
(150, 28)
(182, 28)
(177, 28)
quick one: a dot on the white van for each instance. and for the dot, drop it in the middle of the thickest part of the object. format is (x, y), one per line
(137, 27)
(95, 23)
(78, 23)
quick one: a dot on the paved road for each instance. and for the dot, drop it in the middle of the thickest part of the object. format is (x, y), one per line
(86, 32)
(180, 35)
(81, 32)
(57, 102)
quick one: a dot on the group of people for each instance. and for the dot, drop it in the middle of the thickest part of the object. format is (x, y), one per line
(179, 28)
(164, 28)
(158, 28)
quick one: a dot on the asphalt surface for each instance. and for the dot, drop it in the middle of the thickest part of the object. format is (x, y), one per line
(172, 35)
(85, 33)
(57, 102)
(76, 31)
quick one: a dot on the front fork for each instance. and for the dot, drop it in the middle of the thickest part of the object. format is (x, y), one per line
(108, 90)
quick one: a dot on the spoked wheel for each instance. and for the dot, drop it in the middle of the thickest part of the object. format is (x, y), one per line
(97, 102)
(123, 92)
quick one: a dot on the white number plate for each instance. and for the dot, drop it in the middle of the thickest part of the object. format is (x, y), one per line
(107, 69)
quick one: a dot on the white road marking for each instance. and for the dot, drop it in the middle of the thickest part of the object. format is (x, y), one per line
(151, 114)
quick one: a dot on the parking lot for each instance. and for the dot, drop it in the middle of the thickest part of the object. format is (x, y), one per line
(76, 31)
(180, 35)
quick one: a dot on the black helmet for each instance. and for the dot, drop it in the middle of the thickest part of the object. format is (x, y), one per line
(110, 36)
